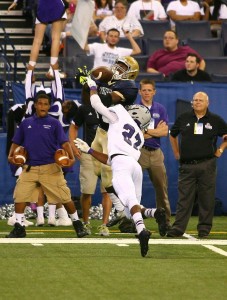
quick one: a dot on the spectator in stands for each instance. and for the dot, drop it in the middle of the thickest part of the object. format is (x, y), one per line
(196, 152)
(120, 21)
(182, 10)
(107, 53)
(172, 57)
(150, 10)
(86, 116)
(215, 12)
(48, 11)
(191, 72)
(103, 8)
(152, 158)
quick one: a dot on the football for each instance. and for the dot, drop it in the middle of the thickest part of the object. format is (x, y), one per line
(61, 157)
(20, 155)
(102, 74)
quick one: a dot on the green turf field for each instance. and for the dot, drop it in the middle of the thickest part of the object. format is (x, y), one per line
(51, 263)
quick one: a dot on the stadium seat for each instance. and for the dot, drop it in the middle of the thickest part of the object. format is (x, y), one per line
(152, 45)
(193, 30)
(142, 61)
(155, 29)
(216, 65)
(152, 76)
(71, 47)
(212, 47)
(219, 78)
(124, 42)
(224, 36)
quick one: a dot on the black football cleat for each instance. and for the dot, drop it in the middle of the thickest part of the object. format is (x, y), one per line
(17, 232)
(160, 217)
(79, 228)
(144, 237)
(116, 219)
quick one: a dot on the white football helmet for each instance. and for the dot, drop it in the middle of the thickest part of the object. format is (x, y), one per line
(140, 114)
(119, 72)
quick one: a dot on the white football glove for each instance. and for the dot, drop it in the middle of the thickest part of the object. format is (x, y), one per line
(91, 83)
(83, 146)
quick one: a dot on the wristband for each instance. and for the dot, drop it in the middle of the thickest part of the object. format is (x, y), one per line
(93, 88)
(90, 151)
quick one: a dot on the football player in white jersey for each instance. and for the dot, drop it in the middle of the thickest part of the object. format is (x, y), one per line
(125, 140)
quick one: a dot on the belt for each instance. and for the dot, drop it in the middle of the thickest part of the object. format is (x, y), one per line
(112, 156)
(194, 161)
(149, 148)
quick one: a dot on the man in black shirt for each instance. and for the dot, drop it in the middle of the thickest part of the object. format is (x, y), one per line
(191, 71)
(197, 154)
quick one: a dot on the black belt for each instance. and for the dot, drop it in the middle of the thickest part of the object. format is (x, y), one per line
(112, 156)
(149, 148)
(194, 161)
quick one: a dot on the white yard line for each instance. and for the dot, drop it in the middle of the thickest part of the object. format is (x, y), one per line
(111, 241)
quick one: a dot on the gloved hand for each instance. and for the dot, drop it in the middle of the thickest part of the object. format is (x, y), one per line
(83, 146)
(91, 83)
(82, 74)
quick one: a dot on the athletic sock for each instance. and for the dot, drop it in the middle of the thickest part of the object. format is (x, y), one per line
(138, 220)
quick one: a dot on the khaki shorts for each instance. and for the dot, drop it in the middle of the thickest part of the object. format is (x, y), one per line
(100, 144)
(51, 179)
(88, 178)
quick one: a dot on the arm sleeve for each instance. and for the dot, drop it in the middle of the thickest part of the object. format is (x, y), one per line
(96, 103)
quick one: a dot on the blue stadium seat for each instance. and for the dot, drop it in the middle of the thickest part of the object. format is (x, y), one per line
(142, 61)
(219, 78)
(224, 36)
(152, 76)
(152, 45)
(155, 29)
(216, 65)
(193, 30)
(124, 42)
(212, 47)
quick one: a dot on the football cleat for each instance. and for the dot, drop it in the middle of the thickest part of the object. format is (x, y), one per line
(144, 237)
(79, 228)
(160, 217)
(17, 232)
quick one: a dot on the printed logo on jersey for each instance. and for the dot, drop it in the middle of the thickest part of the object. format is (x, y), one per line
(156, 115)
(47, 126)
(208, 126)
(188, 125)
(104, 90)
(29, 126)
(109, 58)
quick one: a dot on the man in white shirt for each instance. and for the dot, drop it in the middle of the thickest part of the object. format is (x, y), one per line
(183, 10)
(147, 10)
(105, 54)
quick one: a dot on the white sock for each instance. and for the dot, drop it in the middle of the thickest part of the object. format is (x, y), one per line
(149, 212)
(52, 210)
(32, 63)
(62, 213)
(74, 217)
(116, 202)
(20, 219)
(138, 220)
(39, 210)
(53, 60)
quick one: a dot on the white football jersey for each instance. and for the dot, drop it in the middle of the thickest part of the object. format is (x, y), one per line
(124, 135)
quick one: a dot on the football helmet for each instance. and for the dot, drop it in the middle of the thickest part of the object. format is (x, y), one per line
(140, 114)
(119, 72)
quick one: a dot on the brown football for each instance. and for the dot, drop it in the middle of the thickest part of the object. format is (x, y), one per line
(61, 157)
(20, 155)
(102, 74)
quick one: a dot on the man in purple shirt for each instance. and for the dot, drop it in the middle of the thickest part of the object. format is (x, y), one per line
(152, 158)
(172, 57)
(42, 135)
